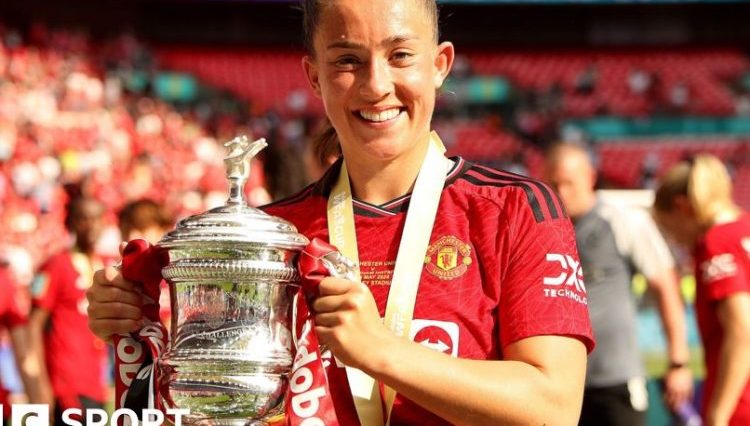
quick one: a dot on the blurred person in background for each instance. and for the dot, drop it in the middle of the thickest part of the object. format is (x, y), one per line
(148, 220)
(13, 321)
(145, 219)
(72, 372)
(694, 205)
(614, 243)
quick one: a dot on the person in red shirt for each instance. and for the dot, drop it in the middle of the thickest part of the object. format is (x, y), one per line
(13, 320)
(500, 329)
(74, 358)
(694, 205)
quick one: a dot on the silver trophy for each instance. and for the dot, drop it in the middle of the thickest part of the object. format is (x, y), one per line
(232, 276)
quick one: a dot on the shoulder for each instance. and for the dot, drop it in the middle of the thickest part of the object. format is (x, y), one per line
(625, 218)
(729, 236)
(290, 203)
(6, 279)
(305, 198)
(57, 262)
(510, 190)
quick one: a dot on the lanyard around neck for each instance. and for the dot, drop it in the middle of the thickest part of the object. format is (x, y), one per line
(399, 311)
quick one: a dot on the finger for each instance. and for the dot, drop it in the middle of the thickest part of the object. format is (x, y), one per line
(330, 319)
(351, 300)
(108, 294)
(122, 248)
(115, 310)
(112, 277)
(105, 328)
(333, 286)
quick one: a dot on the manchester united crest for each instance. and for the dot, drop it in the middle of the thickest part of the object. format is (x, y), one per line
(448, 258)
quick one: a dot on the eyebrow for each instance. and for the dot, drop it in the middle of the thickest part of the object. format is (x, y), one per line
(348, 44)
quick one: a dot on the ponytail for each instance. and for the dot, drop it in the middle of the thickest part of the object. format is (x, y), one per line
(705, 182)
(709, 190)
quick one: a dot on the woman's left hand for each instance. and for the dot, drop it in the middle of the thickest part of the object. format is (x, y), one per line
(347, 321)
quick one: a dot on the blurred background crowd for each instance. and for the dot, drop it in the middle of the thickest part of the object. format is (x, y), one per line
(125, 105)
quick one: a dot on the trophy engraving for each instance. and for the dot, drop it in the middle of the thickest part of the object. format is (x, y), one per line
(232, 277)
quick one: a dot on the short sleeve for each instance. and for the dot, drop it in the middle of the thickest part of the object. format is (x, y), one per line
(542, 291)
(44, 288)
(722, 271)
(642, 242)
(11, 315)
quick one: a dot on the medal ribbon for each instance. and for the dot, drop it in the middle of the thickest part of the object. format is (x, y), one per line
(415, 239)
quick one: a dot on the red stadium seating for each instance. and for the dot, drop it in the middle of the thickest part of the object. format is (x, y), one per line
(705, 71)
(265, 76)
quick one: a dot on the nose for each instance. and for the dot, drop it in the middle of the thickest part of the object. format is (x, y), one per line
(377, 81)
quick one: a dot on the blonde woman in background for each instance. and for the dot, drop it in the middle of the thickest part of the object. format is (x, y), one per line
(694, 205)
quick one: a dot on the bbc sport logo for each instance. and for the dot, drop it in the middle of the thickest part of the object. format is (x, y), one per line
(38, 415)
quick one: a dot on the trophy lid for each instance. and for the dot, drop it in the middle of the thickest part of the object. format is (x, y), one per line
(236, 222)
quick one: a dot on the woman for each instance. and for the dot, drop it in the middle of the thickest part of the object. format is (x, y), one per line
(499, 330)
(694, 205)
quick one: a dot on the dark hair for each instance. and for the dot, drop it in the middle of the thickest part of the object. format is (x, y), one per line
(142, 214)
(311, 17)
(75, 208)
(325, 143)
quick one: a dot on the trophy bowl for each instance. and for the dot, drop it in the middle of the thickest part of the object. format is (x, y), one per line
(232, 279)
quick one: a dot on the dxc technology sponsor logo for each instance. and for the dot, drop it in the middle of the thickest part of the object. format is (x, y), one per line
(569, 282)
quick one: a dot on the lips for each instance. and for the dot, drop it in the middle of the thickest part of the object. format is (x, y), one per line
(379, 116)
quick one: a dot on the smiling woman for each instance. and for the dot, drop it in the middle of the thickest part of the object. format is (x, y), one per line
(377, 69)
(480, 324)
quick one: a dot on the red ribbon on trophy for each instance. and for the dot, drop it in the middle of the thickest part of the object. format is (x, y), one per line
(308, 400)
(137, 382)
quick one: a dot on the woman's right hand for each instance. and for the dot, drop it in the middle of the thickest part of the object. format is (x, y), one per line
(114, 304)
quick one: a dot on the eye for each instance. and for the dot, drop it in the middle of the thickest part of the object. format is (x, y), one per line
(401, 57)
(347, 62)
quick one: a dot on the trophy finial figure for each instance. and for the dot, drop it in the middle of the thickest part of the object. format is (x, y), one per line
(237, 164)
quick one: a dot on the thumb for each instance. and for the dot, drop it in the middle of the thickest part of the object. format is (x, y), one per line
(122, 247)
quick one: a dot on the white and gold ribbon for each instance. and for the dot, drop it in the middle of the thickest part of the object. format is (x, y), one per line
(415, 239)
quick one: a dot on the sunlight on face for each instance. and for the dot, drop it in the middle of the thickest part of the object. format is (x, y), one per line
(377, 68)
(573, 177)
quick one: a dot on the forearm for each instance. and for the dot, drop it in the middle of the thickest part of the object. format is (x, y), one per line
(672, 310)
(473, 392)
(34, 365)
(732, 375)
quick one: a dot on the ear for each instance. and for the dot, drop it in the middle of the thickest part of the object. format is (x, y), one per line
(594, 176)
(682, 204)
(443, 62)
(311, 72)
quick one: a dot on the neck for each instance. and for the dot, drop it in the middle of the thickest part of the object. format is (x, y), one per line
(378, 182)
(88, 251)
(586, 206)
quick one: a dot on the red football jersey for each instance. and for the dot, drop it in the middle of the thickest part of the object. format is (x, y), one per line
(501, 266)
(73, 355)
(722, 267)
(10, 317)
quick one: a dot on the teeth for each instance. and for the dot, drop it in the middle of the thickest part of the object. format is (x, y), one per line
(379, 116)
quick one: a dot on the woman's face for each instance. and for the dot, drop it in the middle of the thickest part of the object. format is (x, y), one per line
(679, 223)
(377, 68)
